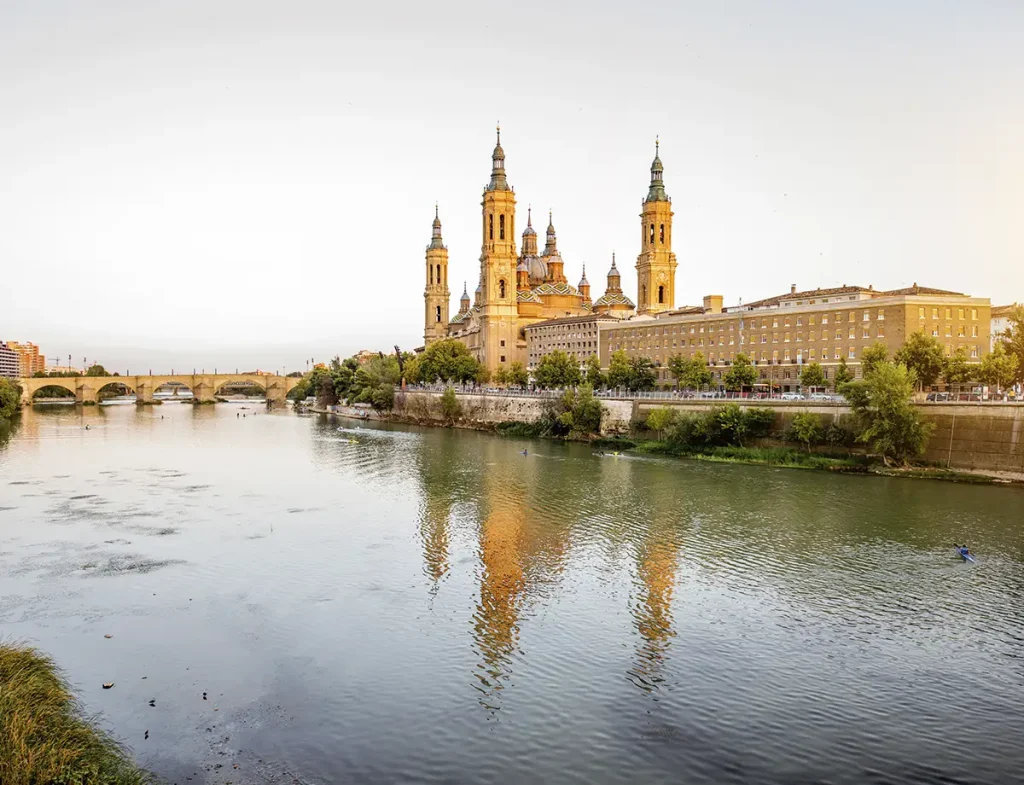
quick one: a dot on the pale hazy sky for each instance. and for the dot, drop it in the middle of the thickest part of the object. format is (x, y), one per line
(252, 183)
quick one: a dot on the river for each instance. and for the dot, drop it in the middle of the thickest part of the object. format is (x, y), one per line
(384, 604)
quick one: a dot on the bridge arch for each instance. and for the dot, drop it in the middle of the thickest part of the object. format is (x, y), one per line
(68, 385)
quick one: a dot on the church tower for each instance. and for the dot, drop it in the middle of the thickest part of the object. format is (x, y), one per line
(656, 264)
(499, 315)
(436, 294)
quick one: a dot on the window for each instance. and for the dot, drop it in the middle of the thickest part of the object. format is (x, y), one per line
(811, 320)
(787, 321)
(867, 316)
(652, 234)
(799, 321)
(935, 313)
(853, 333)
(824, 319)
(430, 269)
(661, 294)
(812, 355)
(503, 358)
(974, 352)
(786, 356)
(490, 227)
(764, 338)
(786, 339)
(920, 312)
(961, 331)
(935, 331)
(775, 337)
(960, 313)
(502, 343)
(764, 324)
(438, 314)
(501, 288)
(811, 336)
(974, 314)
(881, 314)
(865, 333)
(839, 335)
(775, 322)
(661, 238)
(949, 331)
(501, 227)
(851, 353)
(839, 318)
(974, 331)
(880, 332)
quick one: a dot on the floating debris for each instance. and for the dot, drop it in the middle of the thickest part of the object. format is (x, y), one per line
(108, 635)
(107, 685)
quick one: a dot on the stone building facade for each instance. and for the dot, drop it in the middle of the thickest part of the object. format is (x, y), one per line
(782, 334)
(577, 336)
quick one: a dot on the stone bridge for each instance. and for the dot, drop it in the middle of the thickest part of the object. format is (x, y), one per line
(204, 386)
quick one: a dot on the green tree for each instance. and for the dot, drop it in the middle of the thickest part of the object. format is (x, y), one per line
(923, 355)
(96, 370)
(374, 383)
(501, 376)
(482, 375)
(557, 369)
(595, 378)
(641, 375)
(732, 422)
(872, 356)
(691, 373)
(660, 419)
(677, 366)
(806, 429)
(451, 409)
(447, 360)
(411, 369)
(955, 369)
(10, 398)
(517, 375)
(741, 374)
(998, 368)
(812, 376)
(581, 411)
(1013, 341)
(842, 375)
(889, 423)
(618, 369)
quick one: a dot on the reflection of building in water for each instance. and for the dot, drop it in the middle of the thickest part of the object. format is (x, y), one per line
(521, 555)
(434, 517)
(441, 483)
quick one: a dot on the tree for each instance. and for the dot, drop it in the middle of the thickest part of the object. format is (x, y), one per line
(842, 375)
(581, 411)
(999, 369)
(448, 360)
(955, 369)
(1013, 341)
(806, 428)
(451, 409)
(10, 398)
(923, 355)
(557, 369)
(812, 376)
(677, 366)
(482, 375)
(690, 373)
(741, 374)
(872, 356)
(618, 369)
(641, 375)
(96, 370)
(411, 369)
(659, 419)
(374, 383)
(595, 378)
(889, 422)
(517, 375)
(501, 376)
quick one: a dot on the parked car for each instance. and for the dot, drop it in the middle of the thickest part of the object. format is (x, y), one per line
(792, 396)
(937, 397)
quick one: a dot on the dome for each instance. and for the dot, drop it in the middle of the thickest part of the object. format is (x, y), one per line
(527, 296)
(610, 299)
(522, 267)
(538, 267)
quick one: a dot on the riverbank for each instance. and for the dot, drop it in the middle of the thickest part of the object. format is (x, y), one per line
(44, 735)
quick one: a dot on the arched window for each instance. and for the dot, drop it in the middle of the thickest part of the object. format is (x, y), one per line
(652, 234)
(662, 234)
(643, 294)
(490, 227)
(439, 313)
(430, 267)
(661, 294)
(501, 288)
(501, 227)
(439, 279)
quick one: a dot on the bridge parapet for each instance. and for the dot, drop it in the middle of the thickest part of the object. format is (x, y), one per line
(204, 386)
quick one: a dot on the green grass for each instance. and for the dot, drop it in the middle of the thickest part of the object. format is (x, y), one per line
(768, 456)
(45, 738)
(526, 430)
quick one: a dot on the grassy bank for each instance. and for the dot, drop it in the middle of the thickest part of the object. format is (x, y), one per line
(45, 738)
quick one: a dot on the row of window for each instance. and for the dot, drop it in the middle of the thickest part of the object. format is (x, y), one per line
(811, 355)
(961, 313)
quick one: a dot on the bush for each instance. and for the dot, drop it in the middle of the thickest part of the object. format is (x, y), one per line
(661, 419)
(451, 409)
(805, 429)
(836, 435)
(10, 398)
(760, 420)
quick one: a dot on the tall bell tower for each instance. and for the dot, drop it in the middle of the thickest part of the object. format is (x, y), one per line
(656, 264)
(500, 312)
(435, 293)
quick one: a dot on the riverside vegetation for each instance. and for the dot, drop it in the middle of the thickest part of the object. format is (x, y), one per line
(45, 738)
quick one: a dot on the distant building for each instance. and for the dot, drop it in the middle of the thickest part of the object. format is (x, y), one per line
(1001, 321)
(782, 334)
(577, 336)
(30, 360)
(10, 362)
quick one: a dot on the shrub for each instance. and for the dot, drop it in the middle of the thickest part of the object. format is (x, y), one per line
(836, 435)
(760, 420)
(805, 429)
(660, 419)
(451, 409)
(888, 420)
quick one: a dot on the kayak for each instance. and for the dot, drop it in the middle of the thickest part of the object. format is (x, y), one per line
(964, 556)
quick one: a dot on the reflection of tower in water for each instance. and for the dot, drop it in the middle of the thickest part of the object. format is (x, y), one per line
(657, 562)
(434, 522)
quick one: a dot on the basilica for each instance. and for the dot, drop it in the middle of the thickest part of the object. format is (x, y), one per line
(525, 287)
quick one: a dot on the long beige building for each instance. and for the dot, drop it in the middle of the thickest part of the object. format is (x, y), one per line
(782, 334)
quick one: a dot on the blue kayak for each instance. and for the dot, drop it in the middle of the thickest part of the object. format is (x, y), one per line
(964, 556)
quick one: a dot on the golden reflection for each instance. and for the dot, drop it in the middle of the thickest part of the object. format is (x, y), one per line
(434, 517)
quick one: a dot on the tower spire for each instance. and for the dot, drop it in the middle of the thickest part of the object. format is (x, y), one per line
(498, 181)
(435, 237)
(656, 192)
(551, 242)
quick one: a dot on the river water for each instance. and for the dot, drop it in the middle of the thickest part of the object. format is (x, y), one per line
(387, 604)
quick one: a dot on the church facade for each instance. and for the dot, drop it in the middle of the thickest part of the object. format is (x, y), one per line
(525, 286)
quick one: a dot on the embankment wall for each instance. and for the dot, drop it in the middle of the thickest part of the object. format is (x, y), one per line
(987, 437)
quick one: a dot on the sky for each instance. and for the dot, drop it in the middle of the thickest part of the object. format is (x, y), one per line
(251, 184)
